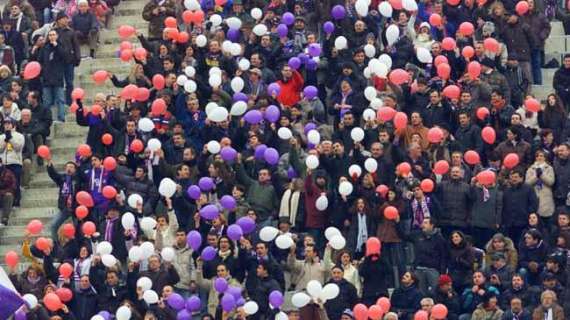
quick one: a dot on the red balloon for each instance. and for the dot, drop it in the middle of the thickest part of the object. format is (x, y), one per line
(73, 107)
(360, 312)
(452, 92)
(187, 16)
(472, 157)
(404, 169)
(474, 69)
(96, 109)
(435, 135)
(170, 22)
(444, 71)
(491, 45)
(441, 167)
(511, 160)
(468, 52)
(427, 185)
(109, 163)
(77, 94)
(109, 192)
(140, 53)
(532, 105)
(64, 294)
(183, 37)
(399, 76)
(142, 94)
(439, 311)
(391, 213)
(43, 152)
(137, 146)
(400, 120)
(220, 3)
(126, 55)
(466, 29)
(43, 244)
(158, 82)
(129, 92)
(107, 139)
(197, 17)
(453, 2)
(81, 212)
(84, 150)
(52, 302)
(375, 312)
(486, 177)
(65, 270)
(171, 33)
(435, 20)
(482, 113)
(158, 107)
(373, 246)
(488, 134)
(521, 8)
(35, 226)
(382, 190)
(84, 199)
(384, 303)
(100, 76)
(440, 59)
(448, 43)
(386, 113)
(126, 31)
(68, 230)
(88, 228)
(126, 45)
(421, 315)
(11, 259)
(32, 70)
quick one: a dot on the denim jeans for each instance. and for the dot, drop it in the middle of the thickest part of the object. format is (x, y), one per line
(536, 61)
(68, 74)
(428, 278)
(57, 221)
(55, 96)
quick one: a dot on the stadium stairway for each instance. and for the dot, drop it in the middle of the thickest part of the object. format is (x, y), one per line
(557, 45)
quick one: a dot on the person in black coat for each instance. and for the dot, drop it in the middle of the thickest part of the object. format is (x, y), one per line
(520, 290)
(110, 294)
(519, 200)
(68, 184)
(52, 58)
(265, 284)
(406, 299)
(250, 262)
(84, 302)
(346, 298)
(468, 135)
(532, 255)
(561, 81)
(111, 230)
(518, 310)
(445, 295)
(375, 273)
(161, 274)
(361, 214)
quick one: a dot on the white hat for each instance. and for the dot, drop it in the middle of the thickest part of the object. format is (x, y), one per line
(425, 24)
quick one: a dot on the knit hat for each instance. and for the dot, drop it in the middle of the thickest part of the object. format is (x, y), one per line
(444, 279)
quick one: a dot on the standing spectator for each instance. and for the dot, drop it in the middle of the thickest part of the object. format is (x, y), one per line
(71, 59)
(561, 81)
(468, 135)
(461, 259)
(455, 197)
(290, 84)
(8, 187)
(486, 213)
(519, 200)
(42, 117)
(67, 183)
(406, 299)
(346, 298)
(308, 269)
(375, 273)
(86, 26)
(540, 175)
(519, 40)
(53, 57)
(155, 11)
(515, 144)
(562, 173)
(431, 254)
(7, 55)
(11, 148)
(540, 30)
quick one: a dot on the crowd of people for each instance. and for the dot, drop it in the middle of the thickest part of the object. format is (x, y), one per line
(292, 159)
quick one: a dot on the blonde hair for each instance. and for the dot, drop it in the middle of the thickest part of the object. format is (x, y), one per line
(5, 69)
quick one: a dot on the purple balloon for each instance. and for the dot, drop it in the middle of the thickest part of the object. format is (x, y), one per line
(194, 240)
(271, 156)
(240, 302)
(20, 315)
(233, 35)
(220, 284)
(338, 12)
(228, 202)
(282, 30)
(311, 65)
(310, 126)
(234, 291)
(206, 183)
(105, 314)
(228, 153)
(276, 299)
(208, 253)
(328, 27)
(260, 151)
(228, 302)
(209, 212)
(314, 49)
(310, 92)
(184, 315)
(247, 224)
(194, 192)
(234, 232)
(273, 88)
(303, 57)
(240, 96)
(288, 18)
(253, 116)
(193, 304)
(176, 301)
(272, 113)
(294, 63)
(291, 173)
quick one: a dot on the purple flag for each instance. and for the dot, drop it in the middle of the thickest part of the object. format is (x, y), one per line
(9, 298)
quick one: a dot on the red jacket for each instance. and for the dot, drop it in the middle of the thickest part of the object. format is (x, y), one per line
(314, 217)
(290, 91)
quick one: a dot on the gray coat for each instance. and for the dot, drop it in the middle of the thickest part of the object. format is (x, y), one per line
(487, 214)
(455, 198)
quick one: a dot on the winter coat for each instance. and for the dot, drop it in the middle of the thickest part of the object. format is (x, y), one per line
(213, 295)
(314, 218)
(557, 313)
(522, 149)
(346, 299)
(352, 237)
(553, 120)
(66, 197)
(460, 263)
(184, 265)
(487, 214)
(430, 250)
(261, 293)
(452, 303)
(519, 40)
(7, 181)
(156, 22)
(455, 198)
(303, 271)
(406, 300)
(68, 40)
(84, 23)
(535, 253)
(470, 300)
(53, 63)
(518, 202)
(291, 89)
(542, 186)
(11, 151)
(469, 138)
(44, 117)
(249, 263)
(262, 197)
(498, 81)
(84, 303)
(561, 83)
(165, 276)
(510, 253)
(524, 293)
(562, 173)
(524, 315)
(540, 27)
(375, 275)
(482, 314)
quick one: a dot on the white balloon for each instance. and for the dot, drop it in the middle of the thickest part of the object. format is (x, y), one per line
(144, 283)
(31, 300)
(385, 9)
(284, 241)
(147, 250)
(369, 50)
(201, 41)
(361, 7)
(376, 103)
(153, 144)
(233, 23)
(190, 86)
(330, 291)
(381, 70)
(337, 242)
(260, 30)
(368, 115)
(216, 20)
(215, 70)
(168, 254)
(370, 92)
(345, 188)
(237, 84)
(192, 5)
(314, 288)
(181, 80)
(150, 297)
(108, 260)
(227, 46)
(146, 125)
(357, 134)
(367, 72)
(284, 133)
(148, 224)
(322, 203)
(300, 299)
(314, 137)
(238, 108)
(371, 165)
(218, 115)
(392, 34)
(215, 80)
(135, 254)
(385, 59)
(268, 233)
(167, 187)
(281, 316)
(97, 317)
(250, 307)
(256, 13)
(244, 64)
(354, 169)
(409, 5)
(312, 161)
(235, 50)
(211, 106)
(134, 199)
(104, 247)
(340, 43)
(213, 147)
(424, 55)
(123, 313)
(190, 71)
(330, 232)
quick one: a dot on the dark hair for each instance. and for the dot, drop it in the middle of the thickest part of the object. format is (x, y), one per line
(498, 92)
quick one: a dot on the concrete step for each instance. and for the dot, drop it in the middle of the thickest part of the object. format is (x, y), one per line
(557, 28)
(21, 216)
(542, 91)
(68, 129)
(40, 197)
(14, 236)
(548, 76)
(557, 44)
